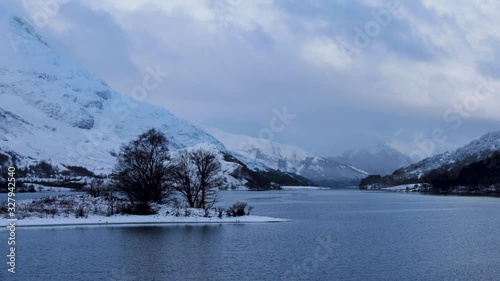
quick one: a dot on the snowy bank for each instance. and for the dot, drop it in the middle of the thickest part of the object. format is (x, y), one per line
(135, 219)
(67, 210)
(303, 188)
(411, 187)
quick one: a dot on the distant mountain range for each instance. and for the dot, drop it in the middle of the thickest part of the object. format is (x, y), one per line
(474, 151)
(380, 159)
(477, 163)
(346, 169)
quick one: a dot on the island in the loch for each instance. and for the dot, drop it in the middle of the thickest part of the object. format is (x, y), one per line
(85, 209)
(149, 185)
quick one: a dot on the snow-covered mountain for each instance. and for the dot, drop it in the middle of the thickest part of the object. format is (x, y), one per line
(378, 159)
(474, 164)
(289, 158)
(49, 101)
(474, 151)
(52, 109)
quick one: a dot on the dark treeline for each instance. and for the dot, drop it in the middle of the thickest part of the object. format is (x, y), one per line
(42, 173)
(480, 177)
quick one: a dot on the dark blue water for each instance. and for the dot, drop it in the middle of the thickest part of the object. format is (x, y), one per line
(335, 235)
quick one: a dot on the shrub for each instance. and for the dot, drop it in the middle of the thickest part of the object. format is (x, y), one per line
(80, 212)
(96, 188)
(237, 209)
(142, 208)
(249, 209)
(220, 211)
(187, 212)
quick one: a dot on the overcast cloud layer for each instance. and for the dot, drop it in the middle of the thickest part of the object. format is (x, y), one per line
(414, 74)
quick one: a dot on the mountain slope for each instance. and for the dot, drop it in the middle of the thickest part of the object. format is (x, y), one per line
(289, 158)
(380, 159)
(474, 151)
(48, 99)
(446, 168)
(53, 110)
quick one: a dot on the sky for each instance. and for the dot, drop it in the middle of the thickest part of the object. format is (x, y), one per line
(422, 76)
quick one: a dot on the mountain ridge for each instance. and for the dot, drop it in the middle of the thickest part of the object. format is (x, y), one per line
(290, 158)
(443, 168)
(379, 158)
(475, 150)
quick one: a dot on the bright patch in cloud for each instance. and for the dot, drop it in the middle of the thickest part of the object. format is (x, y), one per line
(325, 52)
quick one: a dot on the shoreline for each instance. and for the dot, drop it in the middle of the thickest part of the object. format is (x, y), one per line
(145, 223)
(437, 193)
(140, 220)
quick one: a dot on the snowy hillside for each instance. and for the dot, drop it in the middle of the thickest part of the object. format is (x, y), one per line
(289, 158)
(472, 168)
(53, 109)
(380, 159)
(476, 150)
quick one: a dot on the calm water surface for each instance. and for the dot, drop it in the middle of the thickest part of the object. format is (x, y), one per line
(334, 235)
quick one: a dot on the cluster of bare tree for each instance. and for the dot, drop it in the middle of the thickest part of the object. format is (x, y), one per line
(195, 175)
(97, 187)
(147, 172)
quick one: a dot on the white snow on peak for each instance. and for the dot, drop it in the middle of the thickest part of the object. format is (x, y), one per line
(476, 150)
(271, 153)
(278, 156)
(287, 157)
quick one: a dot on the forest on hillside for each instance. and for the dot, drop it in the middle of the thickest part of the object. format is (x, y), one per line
(480, 177)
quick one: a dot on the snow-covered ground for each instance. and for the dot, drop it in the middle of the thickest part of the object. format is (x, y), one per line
(303, 187)
(136, 219)
(83, 209)
(403, 187)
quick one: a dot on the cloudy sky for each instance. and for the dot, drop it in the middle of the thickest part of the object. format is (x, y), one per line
(420, 75)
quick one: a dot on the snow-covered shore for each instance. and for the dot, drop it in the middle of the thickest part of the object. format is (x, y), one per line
(82, 209)
(303, 188)
(412, 187)
(135, 219)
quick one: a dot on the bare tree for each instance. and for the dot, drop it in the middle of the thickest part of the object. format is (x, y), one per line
(208, 170)
(141, 171)
(183, 178)
(96, 188)
(196, 175)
